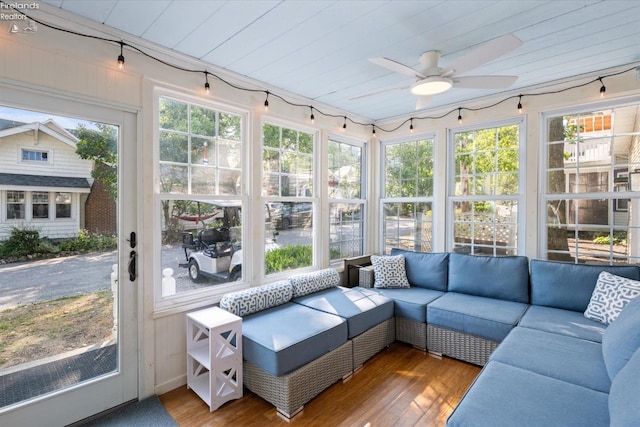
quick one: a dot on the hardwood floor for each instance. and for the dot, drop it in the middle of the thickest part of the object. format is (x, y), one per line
(400, 386)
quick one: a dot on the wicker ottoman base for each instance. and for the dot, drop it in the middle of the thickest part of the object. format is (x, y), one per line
(460, 346)
(290, 392)
(412, 332)
(372, 341)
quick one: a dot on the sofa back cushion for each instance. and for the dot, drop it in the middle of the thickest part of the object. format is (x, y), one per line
(308, 283)
(426, 269)
(505, 278)
(570, 286)
(623, 396)
(622, 338)
(252, 300)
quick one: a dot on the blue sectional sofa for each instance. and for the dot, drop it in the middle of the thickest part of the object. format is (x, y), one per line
(544, 362)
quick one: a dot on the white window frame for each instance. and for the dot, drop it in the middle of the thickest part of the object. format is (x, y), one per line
(198, 298)
(21, 158)
(317, 242)
(422, 199)
(543, 196)
(520, 198)
(363, 191)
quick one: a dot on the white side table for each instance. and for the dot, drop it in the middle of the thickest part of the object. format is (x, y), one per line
(214, 355)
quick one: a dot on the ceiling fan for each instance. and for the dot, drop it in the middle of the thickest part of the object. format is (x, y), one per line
(433, 79)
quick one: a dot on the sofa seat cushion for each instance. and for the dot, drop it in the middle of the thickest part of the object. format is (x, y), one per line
(622, 338)
(570, 286)
(361, 308)
(282, 339)
(411, 303)
(623, 397)
(562, 322)
(417, 263)
(565, 358)
(482, 317)
(502, 277)
(508, 396)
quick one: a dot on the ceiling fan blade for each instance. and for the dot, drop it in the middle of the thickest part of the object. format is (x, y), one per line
(380, 92)
(397, 67)
(484, 82)
(486, 53)
(423, 101)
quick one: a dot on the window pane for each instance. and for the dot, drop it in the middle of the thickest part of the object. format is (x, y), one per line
(15, 204)
(63, 205)
(205, 238)
(346, 237)
(173, 115)
(293, 223)
(407, 226)
(40, 204)
(589, 201)
(191, 158)
(486, 165)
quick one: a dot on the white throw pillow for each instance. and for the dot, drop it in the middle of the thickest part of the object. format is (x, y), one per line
(610, 296)
(389, 271)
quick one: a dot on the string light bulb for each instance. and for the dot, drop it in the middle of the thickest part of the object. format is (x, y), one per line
(411, 126)
(344, 126)
(374, 130)
(266, 102)
(460, 115)
(121, 57)
(520, 105)
(602, 88)
(207, 87)
(312, 117)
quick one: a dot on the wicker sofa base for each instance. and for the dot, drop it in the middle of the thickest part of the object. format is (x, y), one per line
(289, 393)
(412, 332)
(372, 341)
(458, 345)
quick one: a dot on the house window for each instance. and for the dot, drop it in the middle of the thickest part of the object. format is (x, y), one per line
(408, 194)
(40, 204)
(485, 190)
(288, 188)
(35, 156)
(346, 199)
(15, 204)
(587, 204)
(200, 151)
(63, 205)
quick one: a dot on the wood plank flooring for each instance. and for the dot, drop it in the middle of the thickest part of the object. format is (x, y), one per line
(400, 386)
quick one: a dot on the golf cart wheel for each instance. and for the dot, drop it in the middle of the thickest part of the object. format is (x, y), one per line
(286, 223)
(235, 275)
(194, 271)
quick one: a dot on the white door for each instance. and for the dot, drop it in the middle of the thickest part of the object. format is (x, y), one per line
(80, 355)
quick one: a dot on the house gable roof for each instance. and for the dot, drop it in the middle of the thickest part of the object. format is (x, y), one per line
(50, 127)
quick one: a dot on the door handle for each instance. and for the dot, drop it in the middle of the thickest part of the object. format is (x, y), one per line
(132, 266)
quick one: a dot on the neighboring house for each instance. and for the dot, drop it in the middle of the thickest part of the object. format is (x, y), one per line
(43, 183)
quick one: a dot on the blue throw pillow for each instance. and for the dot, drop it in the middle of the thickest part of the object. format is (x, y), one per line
(622, 338)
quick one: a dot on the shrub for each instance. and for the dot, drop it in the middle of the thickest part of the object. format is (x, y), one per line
(88, 242)
(287, 258)
(21, 241)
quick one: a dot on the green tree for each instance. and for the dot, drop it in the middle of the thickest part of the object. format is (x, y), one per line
(101, 146)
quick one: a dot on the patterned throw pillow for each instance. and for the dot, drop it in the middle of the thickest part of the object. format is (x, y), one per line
(308, 283)
(252, 300)
(389, 271)
(610, 296)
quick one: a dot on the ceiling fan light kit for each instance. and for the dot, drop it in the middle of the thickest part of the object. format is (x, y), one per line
(431, 86)
(433, 80)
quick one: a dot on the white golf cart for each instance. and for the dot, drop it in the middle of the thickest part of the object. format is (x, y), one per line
(216, 253)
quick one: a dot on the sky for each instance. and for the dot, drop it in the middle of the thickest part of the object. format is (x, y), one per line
(27, 116)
